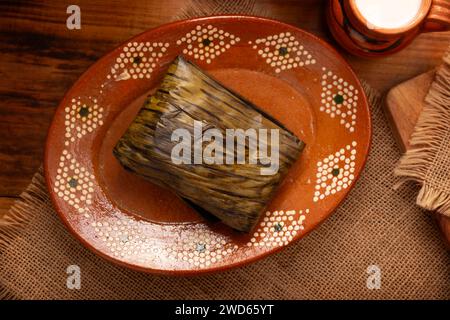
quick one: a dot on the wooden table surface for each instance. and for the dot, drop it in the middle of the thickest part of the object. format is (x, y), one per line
(40, 60)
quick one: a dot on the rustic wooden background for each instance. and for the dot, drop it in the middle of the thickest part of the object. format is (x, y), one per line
(40, 59)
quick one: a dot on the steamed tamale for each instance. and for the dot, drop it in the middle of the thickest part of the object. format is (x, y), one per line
(230, 185)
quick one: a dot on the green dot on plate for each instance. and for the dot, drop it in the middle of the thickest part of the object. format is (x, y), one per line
(137, 60)
(339, 99)
(201, 247)
(84, 111)
(278, 226)
(283, 51)
(335, 172)
(73, 183)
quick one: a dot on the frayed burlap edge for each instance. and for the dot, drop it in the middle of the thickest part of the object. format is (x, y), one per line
(373, 96)
(432, 131)
(17, 217)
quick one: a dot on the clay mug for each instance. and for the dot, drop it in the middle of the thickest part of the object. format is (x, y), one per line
(373, 28)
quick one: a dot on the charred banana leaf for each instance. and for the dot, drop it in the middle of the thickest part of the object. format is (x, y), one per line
(233, 190)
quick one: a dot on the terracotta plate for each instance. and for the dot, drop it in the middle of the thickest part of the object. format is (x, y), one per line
(292, 75)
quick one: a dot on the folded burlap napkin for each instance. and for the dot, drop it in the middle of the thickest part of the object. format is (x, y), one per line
(428, 159)
(375, 226)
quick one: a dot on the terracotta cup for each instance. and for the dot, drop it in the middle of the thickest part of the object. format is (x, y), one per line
(360, 37)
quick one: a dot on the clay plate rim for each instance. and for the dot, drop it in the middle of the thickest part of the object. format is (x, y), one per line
(252, 259)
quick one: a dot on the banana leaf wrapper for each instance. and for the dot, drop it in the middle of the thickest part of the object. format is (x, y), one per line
(237, 194)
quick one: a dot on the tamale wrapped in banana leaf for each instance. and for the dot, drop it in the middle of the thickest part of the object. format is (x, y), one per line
(209, 145)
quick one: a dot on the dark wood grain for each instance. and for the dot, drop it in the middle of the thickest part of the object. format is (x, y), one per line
(41, 59)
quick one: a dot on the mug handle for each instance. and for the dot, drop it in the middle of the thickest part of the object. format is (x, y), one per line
(438, 18)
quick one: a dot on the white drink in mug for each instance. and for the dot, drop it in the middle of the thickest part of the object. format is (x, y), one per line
(389, 14)
(376, 28)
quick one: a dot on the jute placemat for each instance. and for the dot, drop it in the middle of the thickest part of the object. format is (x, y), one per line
(374, 226)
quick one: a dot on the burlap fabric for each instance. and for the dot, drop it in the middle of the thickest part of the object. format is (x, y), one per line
(374, 226)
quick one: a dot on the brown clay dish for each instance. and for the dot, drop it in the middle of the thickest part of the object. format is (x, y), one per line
(290, 74)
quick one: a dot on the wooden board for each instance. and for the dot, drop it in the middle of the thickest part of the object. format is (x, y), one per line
(404, 104)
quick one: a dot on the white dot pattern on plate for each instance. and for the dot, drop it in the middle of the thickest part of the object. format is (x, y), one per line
(283, 51)
(278, 228)
(137, 60)
(73, 183)
(125, 239)
(206, 43)
(339, 99)
(201, 249)
(83, 116)
(335, 172)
